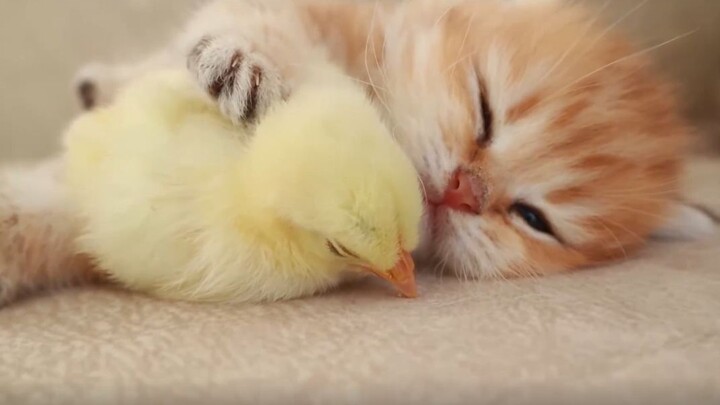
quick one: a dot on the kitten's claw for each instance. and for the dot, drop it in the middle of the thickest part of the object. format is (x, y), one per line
(244, 83)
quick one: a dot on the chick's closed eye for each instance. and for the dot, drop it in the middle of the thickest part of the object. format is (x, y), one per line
(340, 250)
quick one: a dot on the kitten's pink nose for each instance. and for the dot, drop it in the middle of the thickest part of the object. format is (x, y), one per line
(460, 194)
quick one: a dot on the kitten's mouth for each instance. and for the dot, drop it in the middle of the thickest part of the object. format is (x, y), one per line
(431, 207)
(430, 196)
(430, 220)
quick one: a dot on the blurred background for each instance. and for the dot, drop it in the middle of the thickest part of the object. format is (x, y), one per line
(44, 42)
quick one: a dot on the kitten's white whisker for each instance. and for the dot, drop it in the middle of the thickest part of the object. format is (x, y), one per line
(384, 67)
(614, 236)
(444, 13)
(460, 60)
(371, 29)
(463, 238)
(648, 191)
(620, 60)
(617, 22)
(575, 44)
(635, 196)
(440, 267)
(378, 66)
(464, 40)
(630, 233)
(656, 189)
(444, 262)
(527, 270)
(436, 268)
(638, 212)
(600, 36)
(422, 186)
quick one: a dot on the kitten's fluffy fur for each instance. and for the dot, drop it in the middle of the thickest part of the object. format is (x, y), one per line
(532, 99)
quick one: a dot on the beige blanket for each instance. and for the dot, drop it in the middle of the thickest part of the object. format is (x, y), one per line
(647, 330)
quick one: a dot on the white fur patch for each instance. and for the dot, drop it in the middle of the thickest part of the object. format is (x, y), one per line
(687, 223)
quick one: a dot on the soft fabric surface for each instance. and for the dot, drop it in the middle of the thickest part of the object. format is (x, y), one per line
(643, 331)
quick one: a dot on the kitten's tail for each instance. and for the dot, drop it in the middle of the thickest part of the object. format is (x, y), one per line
(37, 232)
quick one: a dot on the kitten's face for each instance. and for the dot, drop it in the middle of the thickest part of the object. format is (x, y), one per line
(570, 143)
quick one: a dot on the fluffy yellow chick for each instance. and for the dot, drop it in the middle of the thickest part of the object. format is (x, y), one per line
(178, 202)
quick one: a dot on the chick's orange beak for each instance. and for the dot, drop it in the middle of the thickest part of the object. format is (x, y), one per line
(401, 276)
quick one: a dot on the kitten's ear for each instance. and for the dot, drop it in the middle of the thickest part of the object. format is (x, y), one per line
(688, 222)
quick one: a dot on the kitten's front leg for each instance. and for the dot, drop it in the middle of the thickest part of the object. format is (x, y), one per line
(37, 233)
(248, 54)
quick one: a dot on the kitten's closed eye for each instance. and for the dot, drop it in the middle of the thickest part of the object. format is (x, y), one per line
(533, 217)
(485, 124)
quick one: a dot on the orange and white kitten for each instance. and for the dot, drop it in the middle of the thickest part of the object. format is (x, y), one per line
(545, 142)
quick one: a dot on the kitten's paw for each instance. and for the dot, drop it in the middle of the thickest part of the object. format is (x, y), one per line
(244, 83)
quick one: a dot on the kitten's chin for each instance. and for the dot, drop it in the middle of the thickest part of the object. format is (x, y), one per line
(423, 253)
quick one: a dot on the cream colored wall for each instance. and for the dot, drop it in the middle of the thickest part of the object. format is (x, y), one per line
(44, 41)
(693, 60)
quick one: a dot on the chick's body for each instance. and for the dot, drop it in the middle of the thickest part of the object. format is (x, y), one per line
(178, 202)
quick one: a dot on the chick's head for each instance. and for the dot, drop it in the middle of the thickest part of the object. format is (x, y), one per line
(325, 163)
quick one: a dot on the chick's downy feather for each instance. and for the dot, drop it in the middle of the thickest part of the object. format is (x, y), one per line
(178, 202)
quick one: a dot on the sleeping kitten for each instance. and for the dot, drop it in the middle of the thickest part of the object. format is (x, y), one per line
(545, 143)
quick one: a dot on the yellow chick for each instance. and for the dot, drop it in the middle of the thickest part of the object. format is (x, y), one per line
(178, 202)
